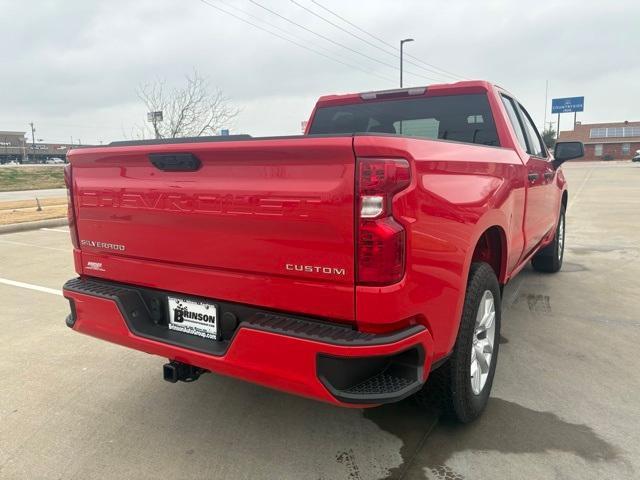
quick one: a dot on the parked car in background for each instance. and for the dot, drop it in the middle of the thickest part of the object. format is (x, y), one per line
(347, 265)
(54, 161)
(636, 157)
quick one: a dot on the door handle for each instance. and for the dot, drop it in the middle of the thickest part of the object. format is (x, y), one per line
(175, 162)
(533, 177)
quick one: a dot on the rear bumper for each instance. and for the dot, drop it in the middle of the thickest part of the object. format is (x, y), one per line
(306, 357)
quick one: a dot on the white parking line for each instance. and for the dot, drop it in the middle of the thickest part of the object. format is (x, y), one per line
(61, 230)
(584, 182)
(29, 286)
(22, 244)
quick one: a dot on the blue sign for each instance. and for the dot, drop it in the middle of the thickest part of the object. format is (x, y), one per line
(224, 132)
(567, 105)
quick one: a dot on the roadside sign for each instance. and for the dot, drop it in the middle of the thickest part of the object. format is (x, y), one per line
(224, 132)
(154, 117)
(567, 105)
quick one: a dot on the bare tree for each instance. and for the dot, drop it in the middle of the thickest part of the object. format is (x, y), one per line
(193, 110)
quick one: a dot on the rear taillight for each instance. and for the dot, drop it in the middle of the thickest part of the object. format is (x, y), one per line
(381, 240)
(70, 210)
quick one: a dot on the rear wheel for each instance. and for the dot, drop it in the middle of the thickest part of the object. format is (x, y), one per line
(549, 259)
(463, 384)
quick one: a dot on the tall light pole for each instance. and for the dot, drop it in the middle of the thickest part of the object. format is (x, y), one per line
(546, 99)
(402, 42)
(33, 141)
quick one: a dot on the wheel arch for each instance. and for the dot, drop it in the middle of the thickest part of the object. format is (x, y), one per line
(491, 248)
(491, 228)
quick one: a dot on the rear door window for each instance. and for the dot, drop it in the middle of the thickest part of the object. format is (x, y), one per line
(514, 120)
(461, 118)
(536, 145)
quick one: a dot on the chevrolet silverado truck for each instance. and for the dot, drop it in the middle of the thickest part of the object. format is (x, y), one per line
(347, 265)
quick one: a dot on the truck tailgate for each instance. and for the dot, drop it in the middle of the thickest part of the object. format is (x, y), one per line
(273, 212)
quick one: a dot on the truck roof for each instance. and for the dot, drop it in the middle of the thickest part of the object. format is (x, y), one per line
(467, 86)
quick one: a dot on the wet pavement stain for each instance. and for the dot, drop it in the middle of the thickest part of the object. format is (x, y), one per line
(536, 303)
(410, 423)
(348, 459)
(597, 249)
(429, 441)
(507, 427)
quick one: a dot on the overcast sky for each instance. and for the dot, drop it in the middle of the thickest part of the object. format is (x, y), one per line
(72, 66)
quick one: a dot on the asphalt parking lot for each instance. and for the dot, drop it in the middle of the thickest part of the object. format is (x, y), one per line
(566, 398)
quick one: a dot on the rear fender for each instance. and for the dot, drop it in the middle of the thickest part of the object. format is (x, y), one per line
(492, 218)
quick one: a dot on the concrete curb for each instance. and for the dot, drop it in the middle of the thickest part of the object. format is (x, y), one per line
(26, 226)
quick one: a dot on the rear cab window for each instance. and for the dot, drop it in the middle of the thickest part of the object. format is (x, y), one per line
(462, 118)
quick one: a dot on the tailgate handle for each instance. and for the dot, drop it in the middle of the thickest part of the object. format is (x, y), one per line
(175, 162)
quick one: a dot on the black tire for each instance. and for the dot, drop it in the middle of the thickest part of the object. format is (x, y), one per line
(449, 387)
(549, 259)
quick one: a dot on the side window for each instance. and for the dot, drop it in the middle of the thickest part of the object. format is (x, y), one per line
(536, 145)
(513, 118)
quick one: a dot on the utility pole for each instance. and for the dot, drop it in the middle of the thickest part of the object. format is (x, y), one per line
(549, 125)
(402, 42)
(546, 99)
(33, 142)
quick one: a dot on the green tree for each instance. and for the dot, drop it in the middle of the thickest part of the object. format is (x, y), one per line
(549, 137)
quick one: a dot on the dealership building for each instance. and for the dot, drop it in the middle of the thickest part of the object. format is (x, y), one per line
(15, 147)
(606, 141)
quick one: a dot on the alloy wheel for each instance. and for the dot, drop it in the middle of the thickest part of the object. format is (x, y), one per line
(483, 342)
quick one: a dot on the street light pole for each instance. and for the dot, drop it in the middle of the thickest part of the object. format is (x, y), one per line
(33, 142)
(546, 99)
(402, 42)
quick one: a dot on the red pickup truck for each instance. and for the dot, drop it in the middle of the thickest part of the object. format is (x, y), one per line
(346, 265)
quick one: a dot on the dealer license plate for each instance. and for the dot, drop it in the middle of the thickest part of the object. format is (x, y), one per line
(193, 317)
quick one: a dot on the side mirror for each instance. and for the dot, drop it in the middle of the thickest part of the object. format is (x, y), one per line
(564, 151)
